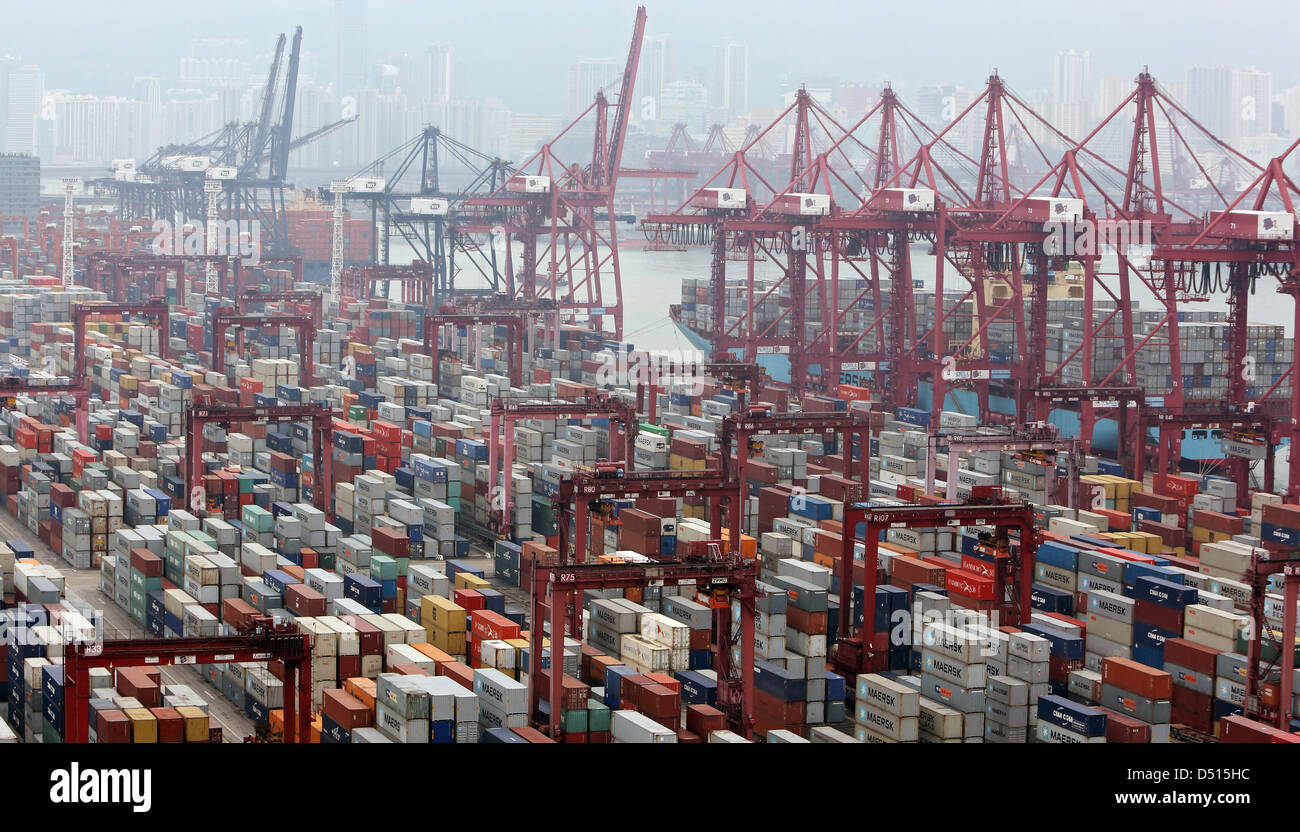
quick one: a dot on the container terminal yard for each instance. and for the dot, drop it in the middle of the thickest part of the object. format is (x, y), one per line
(972, 448)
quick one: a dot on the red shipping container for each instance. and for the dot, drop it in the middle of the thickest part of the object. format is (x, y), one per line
(112, 726)
(1134, 677)
(303, 600)
(701, 719)
(1122, 728)
(1165, 617)
(1240, 729)
(171, 726)
(1190, 655)
(970, 584)
(486, 624)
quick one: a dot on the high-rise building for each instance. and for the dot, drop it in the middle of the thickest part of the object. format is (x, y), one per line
(439, 57)
(1252, 96)
(528, 132)
(686, 102)
(1291, 113)
(729, 91)
(587, 76)
(656, 70)
(20, 185)
(1072, 92)
(1209, 98)
(351, 42)
(216, 61)
(25, 92)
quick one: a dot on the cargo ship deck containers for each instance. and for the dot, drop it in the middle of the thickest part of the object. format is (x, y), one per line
(420, 636)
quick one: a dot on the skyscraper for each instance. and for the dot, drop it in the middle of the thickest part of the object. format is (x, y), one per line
(587, 76)
(1252, 96)
(1072, 92)
(729, 92)
(1209, 98)
(352, 38)
(439, 60)
(26, 90)
(656, 70)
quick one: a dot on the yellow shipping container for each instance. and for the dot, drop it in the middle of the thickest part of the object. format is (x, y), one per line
(448, 642)
(442, 613)
(144, 725)
(196, 723)
(465, 580)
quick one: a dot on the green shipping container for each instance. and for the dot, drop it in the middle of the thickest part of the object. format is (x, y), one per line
(598, 715)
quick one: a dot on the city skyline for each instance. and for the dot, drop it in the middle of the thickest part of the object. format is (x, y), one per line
(397, 92)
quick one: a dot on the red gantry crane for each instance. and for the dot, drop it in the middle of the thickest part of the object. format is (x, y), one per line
(562, 214)
(505, 415)
(319, 418)
(303, 326)
(263, 641)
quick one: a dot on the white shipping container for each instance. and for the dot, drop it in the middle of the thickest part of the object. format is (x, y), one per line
(630, 726)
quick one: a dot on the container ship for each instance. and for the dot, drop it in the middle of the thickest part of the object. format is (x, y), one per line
(1202, 340)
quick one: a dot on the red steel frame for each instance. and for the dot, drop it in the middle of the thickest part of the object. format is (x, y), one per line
(271, 643)
(156, 309)
(578, 492)
(729, 373)
(565, 586)
(416, 281)
(740, 428)
(853, 653)
(1257, 670)
(1216, 417)
(303, 325)
(322, 432)
(507, 414)
(1028, 438)
(298, 297)
(12, 385)
(578, 249)
(516, 345)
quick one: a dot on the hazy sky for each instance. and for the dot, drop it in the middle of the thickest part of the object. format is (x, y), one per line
(519, 51)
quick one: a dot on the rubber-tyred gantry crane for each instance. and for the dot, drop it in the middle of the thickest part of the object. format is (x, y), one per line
(156, 309)
(358, 283)
(320, 419)
(740, 429)
(1024, 438)
(310, 298)
(264, 641)
(854, 651)
(611, 481)
(559, 589)
(505, 415)
(745, 379)
(517, 324)
(302, 325)
(12, 386)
